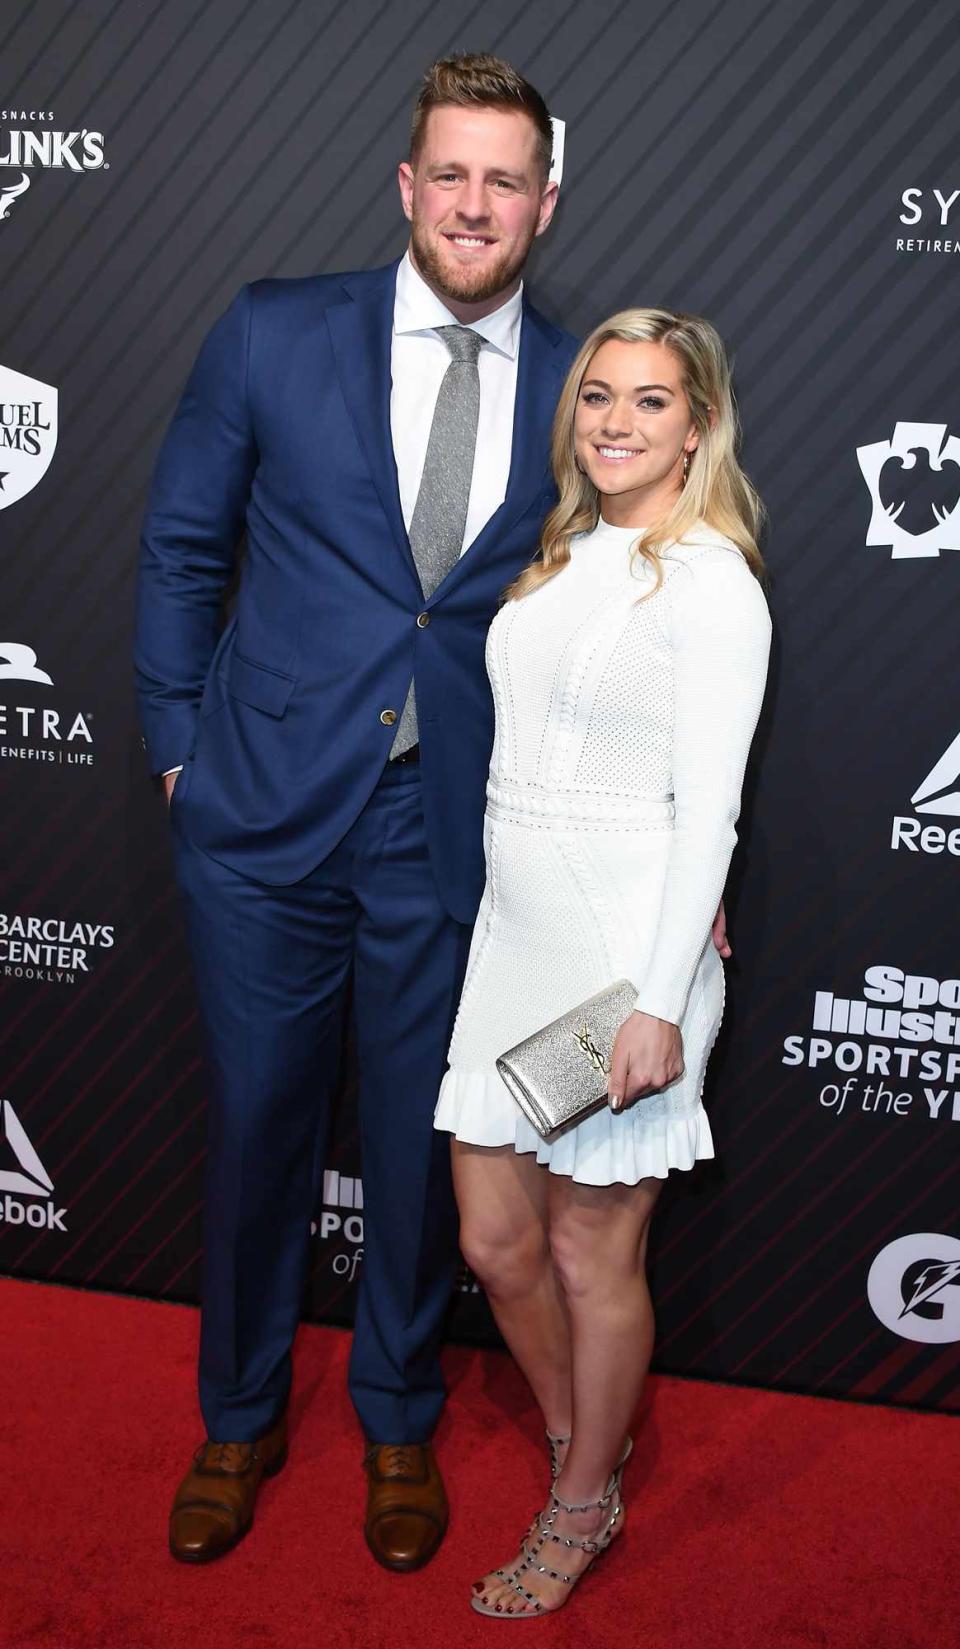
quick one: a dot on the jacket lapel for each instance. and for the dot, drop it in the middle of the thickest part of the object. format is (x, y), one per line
(361, 332)
(541, 369)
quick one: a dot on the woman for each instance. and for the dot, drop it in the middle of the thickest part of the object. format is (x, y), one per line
(628, 665)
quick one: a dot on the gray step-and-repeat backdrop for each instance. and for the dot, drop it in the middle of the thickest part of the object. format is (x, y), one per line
(791, 171)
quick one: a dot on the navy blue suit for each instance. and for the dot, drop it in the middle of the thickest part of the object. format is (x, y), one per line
(302, 854)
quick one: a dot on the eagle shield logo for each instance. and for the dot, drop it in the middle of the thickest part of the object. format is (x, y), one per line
(914, 484)
(28, 433)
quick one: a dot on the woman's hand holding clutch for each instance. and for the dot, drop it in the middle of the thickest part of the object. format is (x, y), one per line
(647, 1056)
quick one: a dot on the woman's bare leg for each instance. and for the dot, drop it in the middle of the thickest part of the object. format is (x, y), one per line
(598, 1238)
(503, 1200)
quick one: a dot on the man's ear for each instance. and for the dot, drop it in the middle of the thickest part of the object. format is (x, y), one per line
(548, 205)
(405, 180)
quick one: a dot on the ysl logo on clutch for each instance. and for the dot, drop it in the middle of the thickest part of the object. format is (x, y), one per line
(586, 1044)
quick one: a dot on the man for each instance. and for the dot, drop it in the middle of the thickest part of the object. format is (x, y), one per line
(383, 440)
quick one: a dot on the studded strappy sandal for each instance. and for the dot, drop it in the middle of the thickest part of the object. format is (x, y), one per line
(610, 1502)
(555, 1442)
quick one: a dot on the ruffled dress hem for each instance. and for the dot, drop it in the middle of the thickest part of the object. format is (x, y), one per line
(606, 1149)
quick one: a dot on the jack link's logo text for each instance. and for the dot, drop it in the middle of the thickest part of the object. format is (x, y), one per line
(24, 149)
(914, 485)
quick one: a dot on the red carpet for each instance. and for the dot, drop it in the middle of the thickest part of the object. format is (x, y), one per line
(755, 1520)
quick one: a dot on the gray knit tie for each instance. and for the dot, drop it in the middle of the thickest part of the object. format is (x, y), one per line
(440, 513)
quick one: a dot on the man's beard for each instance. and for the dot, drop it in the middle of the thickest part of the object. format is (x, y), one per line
(467, 285)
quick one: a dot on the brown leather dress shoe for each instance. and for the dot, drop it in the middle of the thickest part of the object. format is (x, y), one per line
(407, 1511)
(213, 1507)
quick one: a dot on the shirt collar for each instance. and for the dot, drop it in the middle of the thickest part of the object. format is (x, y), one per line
(418, 309)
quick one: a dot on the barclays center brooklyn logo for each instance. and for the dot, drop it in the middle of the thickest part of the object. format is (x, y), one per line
(914, 485)
(914, 1287)
(30, 143)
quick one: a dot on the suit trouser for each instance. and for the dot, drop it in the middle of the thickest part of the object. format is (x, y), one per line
(272, 965)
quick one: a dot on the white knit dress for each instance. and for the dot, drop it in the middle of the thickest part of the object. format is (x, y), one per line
(622, 732)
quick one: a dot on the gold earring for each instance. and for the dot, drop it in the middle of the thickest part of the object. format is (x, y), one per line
(686, 467)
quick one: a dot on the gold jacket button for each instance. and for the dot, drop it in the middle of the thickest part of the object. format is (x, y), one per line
(423, 619)
(388, 717)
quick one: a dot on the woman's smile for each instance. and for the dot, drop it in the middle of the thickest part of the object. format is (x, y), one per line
(619, 455)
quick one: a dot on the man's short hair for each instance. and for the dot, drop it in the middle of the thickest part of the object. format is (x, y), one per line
(477, 79)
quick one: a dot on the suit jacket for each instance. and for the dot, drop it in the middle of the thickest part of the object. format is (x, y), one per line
(283, 432)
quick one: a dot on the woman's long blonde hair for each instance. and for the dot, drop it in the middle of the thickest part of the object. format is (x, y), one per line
(716, 490)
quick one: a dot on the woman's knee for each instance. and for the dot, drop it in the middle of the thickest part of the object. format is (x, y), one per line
(504, 1259)
(577, 1257)
(594, 1259)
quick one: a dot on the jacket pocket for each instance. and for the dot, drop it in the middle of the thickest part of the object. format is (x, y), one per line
(258, 686)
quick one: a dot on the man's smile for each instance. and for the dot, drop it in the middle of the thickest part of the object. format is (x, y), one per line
(469, 243)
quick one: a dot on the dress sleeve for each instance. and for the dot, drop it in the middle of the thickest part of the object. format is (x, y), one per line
(718, 628)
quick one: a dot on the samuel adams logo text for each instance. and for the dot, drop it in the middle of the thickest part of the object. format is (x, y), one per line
(28, 433)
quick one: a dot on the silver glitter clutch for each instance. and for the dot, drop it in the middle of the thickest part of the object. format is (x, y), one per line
(558, 1076)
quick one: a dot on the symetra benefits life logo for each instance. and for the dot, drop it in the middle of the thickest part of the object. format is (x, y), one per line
(43, 731)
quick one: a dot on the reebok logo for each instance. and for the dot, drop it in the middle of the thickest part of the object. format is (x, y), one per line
(939, 793)
(29, 1178)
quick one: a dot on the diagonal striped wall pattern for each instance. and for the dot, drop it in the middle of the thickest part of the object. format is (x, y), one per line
(749, 162)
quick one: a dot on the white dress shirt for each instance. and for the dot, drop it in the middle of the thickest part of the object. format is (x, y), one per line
(418, 361)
